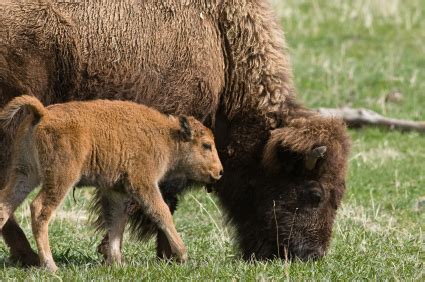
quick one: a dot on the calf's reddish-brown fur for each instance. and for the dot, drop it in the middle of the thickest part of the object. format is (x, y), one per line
(103, 143)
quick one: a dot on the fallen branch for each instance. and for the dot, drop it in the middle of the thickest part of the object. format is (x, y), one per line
(361, 117)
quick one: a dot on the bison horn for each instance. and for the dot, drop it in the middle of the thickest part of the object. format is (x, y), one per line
(313, 156)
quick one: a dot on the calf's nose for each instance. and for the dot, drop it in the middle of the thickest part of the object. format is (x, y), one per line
(216, 176)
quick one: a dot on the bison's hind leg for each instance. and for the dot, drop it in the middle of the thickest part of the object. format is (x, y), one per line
(20, 183)
(20, 249)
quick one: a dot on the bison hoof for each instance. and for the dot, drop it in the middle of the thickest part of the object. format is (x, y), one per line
(164, 255)
(26, 260)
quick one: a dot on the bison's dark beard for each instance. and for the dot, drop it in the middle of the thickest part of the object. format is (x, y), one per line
(270, 219)
(260, 244)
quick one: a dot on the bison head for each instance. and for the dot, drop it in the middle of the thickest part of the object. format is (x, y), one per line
(290, 203)
(306, 165)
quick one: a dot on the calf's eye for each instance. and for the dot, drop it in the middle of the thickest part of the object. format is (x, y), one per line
(206, 146)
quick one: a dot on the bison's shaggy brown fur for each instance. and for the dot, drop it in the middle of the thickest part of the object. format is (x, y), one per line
(123, 148)
(224, 62)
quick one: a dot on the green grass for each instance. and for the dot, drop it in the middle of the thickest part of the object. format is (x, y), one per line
(344, 53)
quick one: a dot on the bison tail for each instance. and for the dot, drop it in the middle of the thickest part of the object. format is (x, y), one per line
(8, 113)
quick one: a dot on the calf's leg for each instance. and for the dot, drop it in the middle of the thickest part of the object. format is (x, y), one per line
(115, 235)
(17, 189)
(169, 191)
(151, 200)
(163, 248)
(115, 226)
(42, 209)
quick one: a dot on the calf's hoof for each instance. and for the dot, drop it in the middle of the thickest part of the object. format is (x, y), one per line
(182, 257)
(114, 260)
(50, 266)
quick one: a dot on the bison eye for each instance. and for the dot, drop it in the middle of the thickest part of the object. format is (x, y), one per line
(312, 194)
(315, 197)
(206, 146)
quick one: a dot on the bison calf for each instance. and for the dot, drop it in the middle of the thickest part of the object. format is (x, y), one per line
(123, 148)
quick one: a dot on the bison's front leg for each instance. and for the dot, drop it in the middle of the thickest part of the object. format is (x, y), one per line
(163, 248)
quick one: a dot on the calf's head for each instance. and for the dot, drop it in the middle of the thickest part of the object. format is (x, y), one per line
(198, 151)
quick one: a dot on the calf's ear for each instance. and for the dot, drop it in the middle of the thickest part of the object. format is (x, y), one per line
(185, 131)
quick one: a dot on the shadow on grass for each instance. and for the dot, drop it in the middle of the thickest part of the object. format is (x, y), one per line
(76, 258)
(66, 259)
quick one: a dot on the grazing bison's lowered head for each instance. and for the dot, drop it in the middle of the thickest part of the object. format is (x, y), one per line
(199, 154)
(306, 165)
(292, 200)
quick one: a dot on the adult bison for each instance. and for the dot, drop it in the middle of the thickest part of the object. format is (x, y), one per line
(223, 62)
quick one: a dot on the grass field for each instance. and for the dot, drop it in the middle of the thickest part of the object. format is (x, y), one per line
(344, 53)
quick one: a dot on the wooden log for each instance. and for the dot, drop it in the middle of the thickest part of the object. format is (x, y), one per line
(357, 117)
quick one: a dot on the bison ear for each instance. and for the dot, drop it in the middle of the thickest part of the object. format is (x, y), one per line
(185, 130)
(313, 156)
(286, 152)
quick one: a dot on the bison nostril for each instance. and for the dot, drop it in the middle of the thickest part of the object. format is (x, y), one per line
(221, 173)
(315, 255)
(308, 254)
